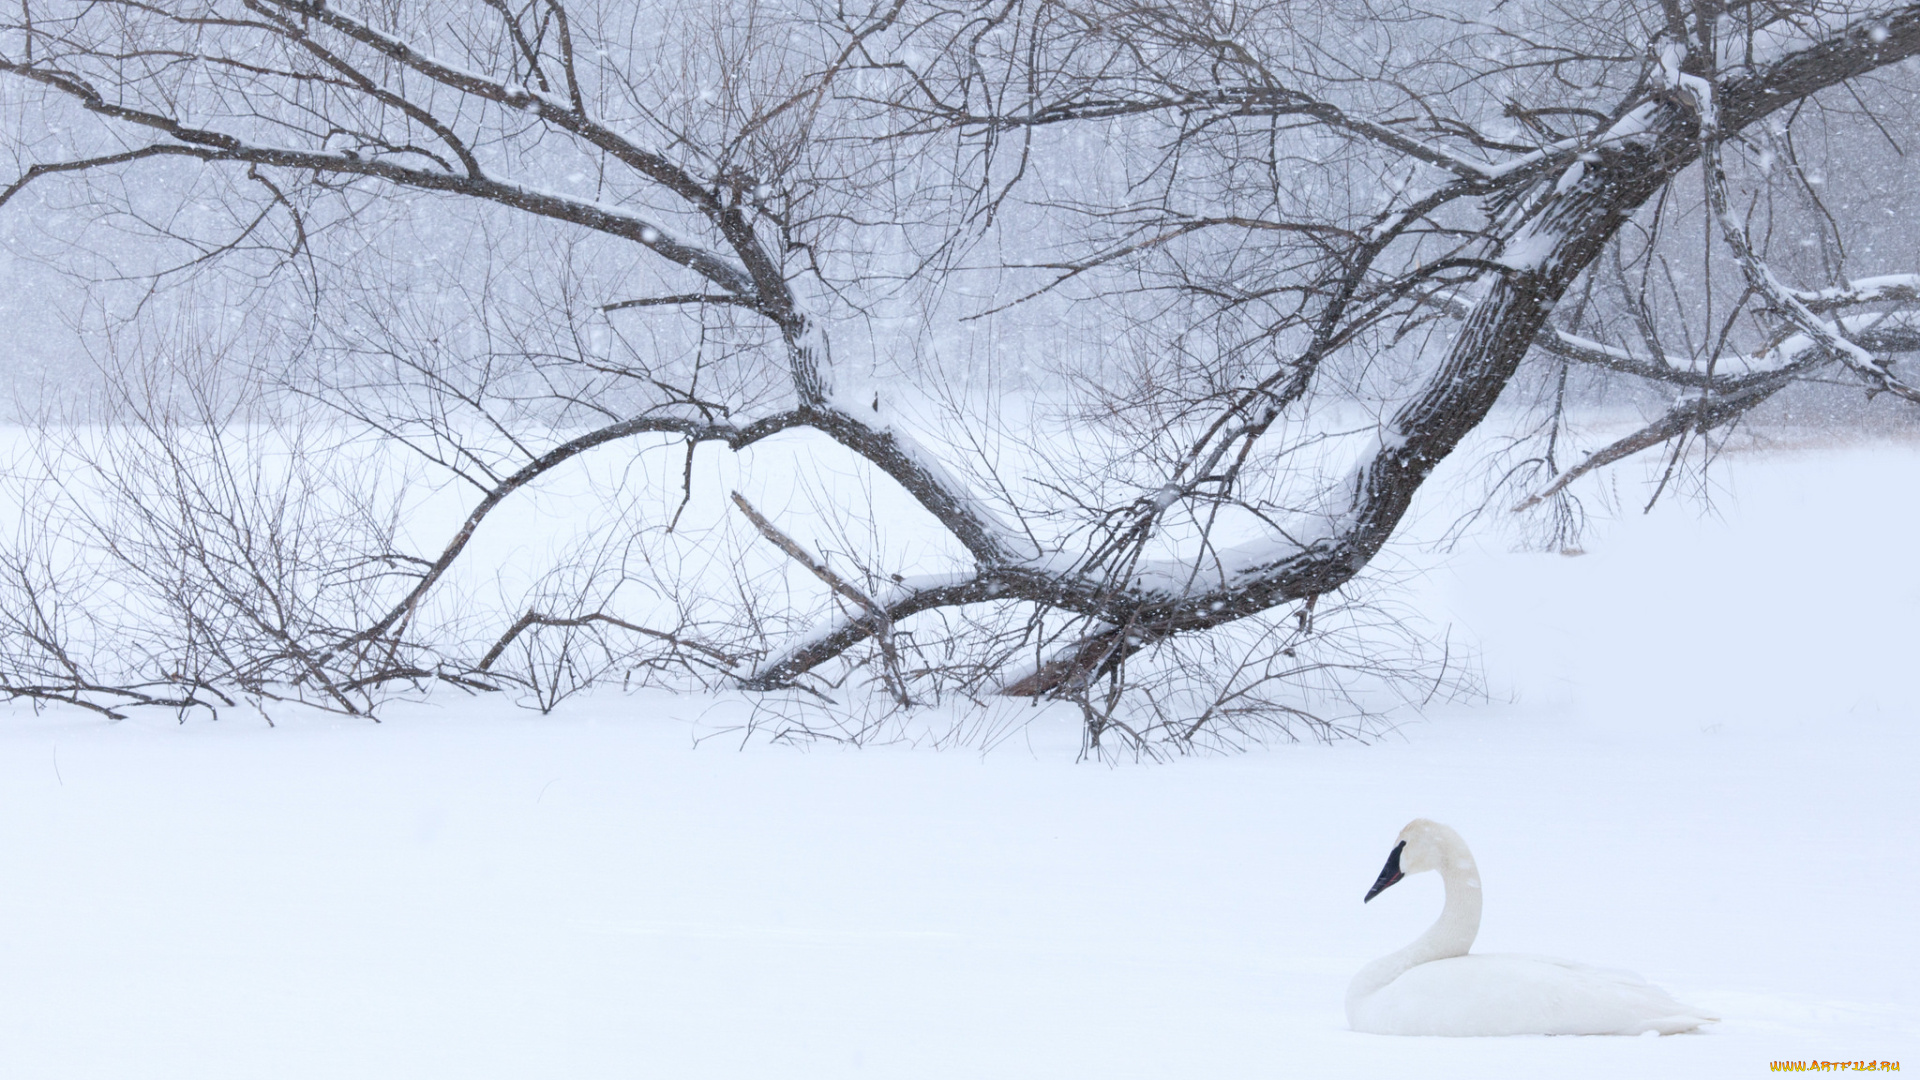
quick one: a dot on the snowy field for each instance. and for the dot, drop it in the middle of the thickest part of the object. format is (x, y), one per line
(1699, 763)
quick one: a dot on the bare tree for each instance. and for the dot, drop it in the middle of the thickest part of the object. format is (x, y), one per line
(1285, 259)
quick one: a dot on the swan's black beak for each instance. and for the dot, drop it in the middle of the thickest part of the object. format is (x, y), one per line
(1389, 875)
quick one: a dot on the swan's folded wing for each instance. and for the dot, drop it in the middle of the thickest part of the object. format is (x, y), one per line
(1647, 1007)
(1619, 975)
(1521, 995)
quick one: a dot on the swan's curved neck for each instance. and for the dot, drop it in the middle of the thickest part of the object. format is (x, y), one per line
(1451, 934)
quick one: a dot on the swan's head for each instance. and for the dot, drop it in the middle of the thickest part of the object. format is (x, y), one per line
(1424, 845)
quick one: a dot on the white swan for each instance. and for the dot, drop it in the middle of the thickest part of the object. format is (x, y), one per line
(1432, 987)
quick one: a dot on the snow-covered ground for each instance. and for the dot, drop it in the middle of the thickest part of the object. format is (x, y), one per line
(1700, 763)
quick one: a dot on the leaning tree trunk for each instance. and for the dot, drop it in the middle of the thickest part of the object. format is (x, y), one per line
(1577, 200)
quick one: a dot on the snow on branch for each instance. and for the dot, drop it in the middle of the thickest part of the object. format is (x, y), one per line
(1760, 277)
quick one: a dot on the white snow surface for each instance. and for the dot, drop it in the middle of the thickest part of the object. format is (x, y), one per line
(1699, 764)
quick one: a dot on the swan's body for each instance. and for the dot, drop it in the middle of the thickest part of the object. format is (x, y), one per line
(1433, 987)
